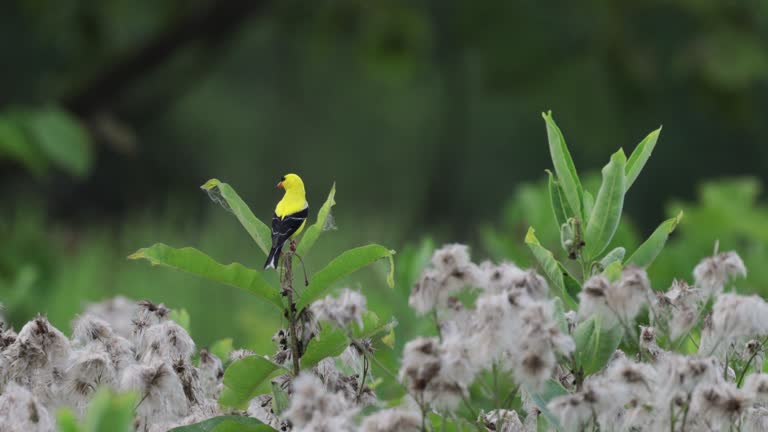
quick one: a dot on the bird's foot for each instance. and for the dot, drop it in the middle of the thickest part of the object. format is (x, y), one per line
(293, 245)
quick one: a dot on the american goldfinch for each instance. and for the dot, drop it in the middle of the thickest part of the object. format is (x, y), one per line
(290, 216)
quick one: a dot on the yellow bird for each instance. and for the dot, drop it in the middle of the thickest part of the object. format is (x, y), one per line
(290, 216)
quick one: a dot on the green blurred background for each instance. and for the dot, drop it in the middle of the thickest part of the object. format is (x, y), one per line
(425, 114)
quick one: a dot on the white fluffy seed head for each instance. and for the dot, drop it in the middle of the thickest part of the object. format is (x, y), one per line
(392, 420)
(118, 311)
(756, 386)
(313, 407)
(735, 319)
(20, 411)
(712, 273)
(451, 271)
(593, 300)
(40, 334)
(501, 420)
(88, 328)
(348, 307)
(167, 340)
(211, 374)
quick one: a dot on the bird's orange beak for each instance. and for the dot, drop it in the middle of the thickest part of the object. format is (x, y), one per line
(280, 185)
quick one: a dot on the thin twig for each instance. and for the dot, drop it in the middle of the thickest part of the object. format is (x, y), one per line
(362, 380)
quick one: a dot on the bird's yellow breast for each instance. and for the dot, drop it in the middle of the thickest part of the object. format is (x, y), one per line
(290, 204)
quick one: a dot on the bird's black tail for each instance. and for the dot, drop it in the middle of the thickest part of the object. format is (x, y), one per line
(273, 258)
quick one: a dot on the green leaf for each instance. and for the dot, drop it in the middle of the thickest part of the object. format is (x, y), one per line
(606, 214)
(613, 271)
(611, 257)
(331, 342)
(67, 421)
(221, 348)
(551, 390)
(650, 249)
(556, 200)
(594, 344)
(589, 204)
(181, 317)
(193, 261)
(239, 426)
(572, 286)
(564, 167)
(280, 399)
(583, 336)
(246, 379)
(314, 231)
(372, 326)
(343, 265)
(558, 310)
(61, 137)
(258, 230)
(226, 424)
(551, 267)
(108, 411)
(639, 157)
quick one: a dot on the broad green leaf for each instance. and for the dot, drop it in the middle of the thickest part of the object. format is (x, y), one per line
(181, 317)
(61, 138)
(67, 421)
(331, 342)
(550, 266)
(280, 399)
(246, 379)
(108, 411)
(650, 249)
(572, 286)
(595, 344)
(226, 424)
(346, 263)
(313, 232)
(564, 167)
(639, 157)
(556, 200)
(258, 230)
(589, 204)
(583, 337)
(239, 426)
(607, 211)
(193, 261)
(559, 314)
(221, 348)
(608, 343)
(551, 390)
(614, 255)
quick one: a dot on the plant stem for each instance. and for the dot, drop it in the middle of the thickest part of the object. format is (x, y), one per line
(287, 286)
(496, 386)
(362, 380)
(751, 358)
(685, 413)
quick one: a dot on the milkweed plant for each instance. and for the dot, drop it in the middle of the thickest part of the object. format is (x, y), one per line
(581, 344)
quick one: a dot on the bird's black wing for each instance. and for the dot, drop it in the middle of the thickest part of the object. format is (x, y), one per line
(283, 229)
